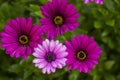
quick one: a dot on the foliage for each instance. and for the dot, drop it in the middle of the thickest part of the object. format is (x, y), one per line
(100, 21)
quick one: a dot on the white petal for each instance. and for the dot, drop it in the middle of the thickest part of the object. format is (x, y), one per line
(62, 61)
(38, 50)
(44, 70)
(39, 55)
(57, 47)
(42, 64)
(62, 54)
(37, 60)
(52, 45)
(59, 65)
(63, 48)
(48, 68)
(41, 48)
(46, 45)
(56, 42)
(54, 64)
(36, 65)
(52, 69)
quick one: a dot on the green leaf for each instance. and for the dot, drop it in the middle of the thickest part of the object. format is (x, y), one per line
(15, 68)
(110, 22)
(27, 73)
(74, 75)
(109, 77)
(109, 64)
(96, 77)
(35, 10)
(97, 24)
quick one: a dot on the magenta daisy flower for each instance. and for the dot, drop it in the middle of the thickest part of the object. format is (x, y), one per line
(96, 1)
(20, 37)
(50, 55)
(83, 53)
(59, 17)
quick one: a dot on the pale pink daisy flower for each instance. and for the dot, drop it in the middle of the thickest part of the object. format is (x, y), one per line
(50, 55)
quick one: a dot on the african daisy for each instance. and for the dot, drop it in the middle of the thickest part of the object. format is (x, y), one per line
(83, 53)
(20, 37)
(50, 55)
(59, 17)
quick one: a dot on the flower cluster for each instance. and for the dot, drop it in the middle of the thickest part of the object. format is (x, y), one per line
(21, 38)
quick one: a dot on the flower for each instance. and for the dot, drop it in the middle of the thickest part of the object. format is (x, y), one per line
(59, 17)
(20, 37)
(96, 1)
(50, 55)
(83, 53)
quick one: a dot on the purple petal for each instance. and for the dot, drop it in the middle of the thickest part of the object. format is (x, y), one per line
(70, 8)
(63, 5)
(29, 50)
(14, 25)
(69, 46)
(91, 47)
(75, 43)
(45, 21)
(55, 5)
(28, 25)
(10, 31)
(84, 42)
(23, 24)
(85, 68)
(70, 61)
(70, 67)
(16, 52)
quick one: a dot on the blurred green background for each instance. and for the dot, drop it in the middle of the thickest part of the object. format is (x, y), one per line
(100, 21)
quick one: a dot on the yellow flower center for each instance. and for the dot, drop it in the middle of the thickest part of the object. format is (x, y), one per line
(58, 20)
(23, 39)
(81, 55)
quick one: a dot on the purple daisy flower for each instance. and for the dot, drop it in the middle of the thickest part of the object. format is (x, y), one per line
(96, 1)
(20, 37)
(50, 55)
(59, 17)
(83, 53)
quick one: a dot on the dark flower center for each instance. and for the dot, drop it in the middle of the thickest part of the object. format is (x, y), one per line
(58, 20)
(50, 57)
(23, 39)
(81, 55)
